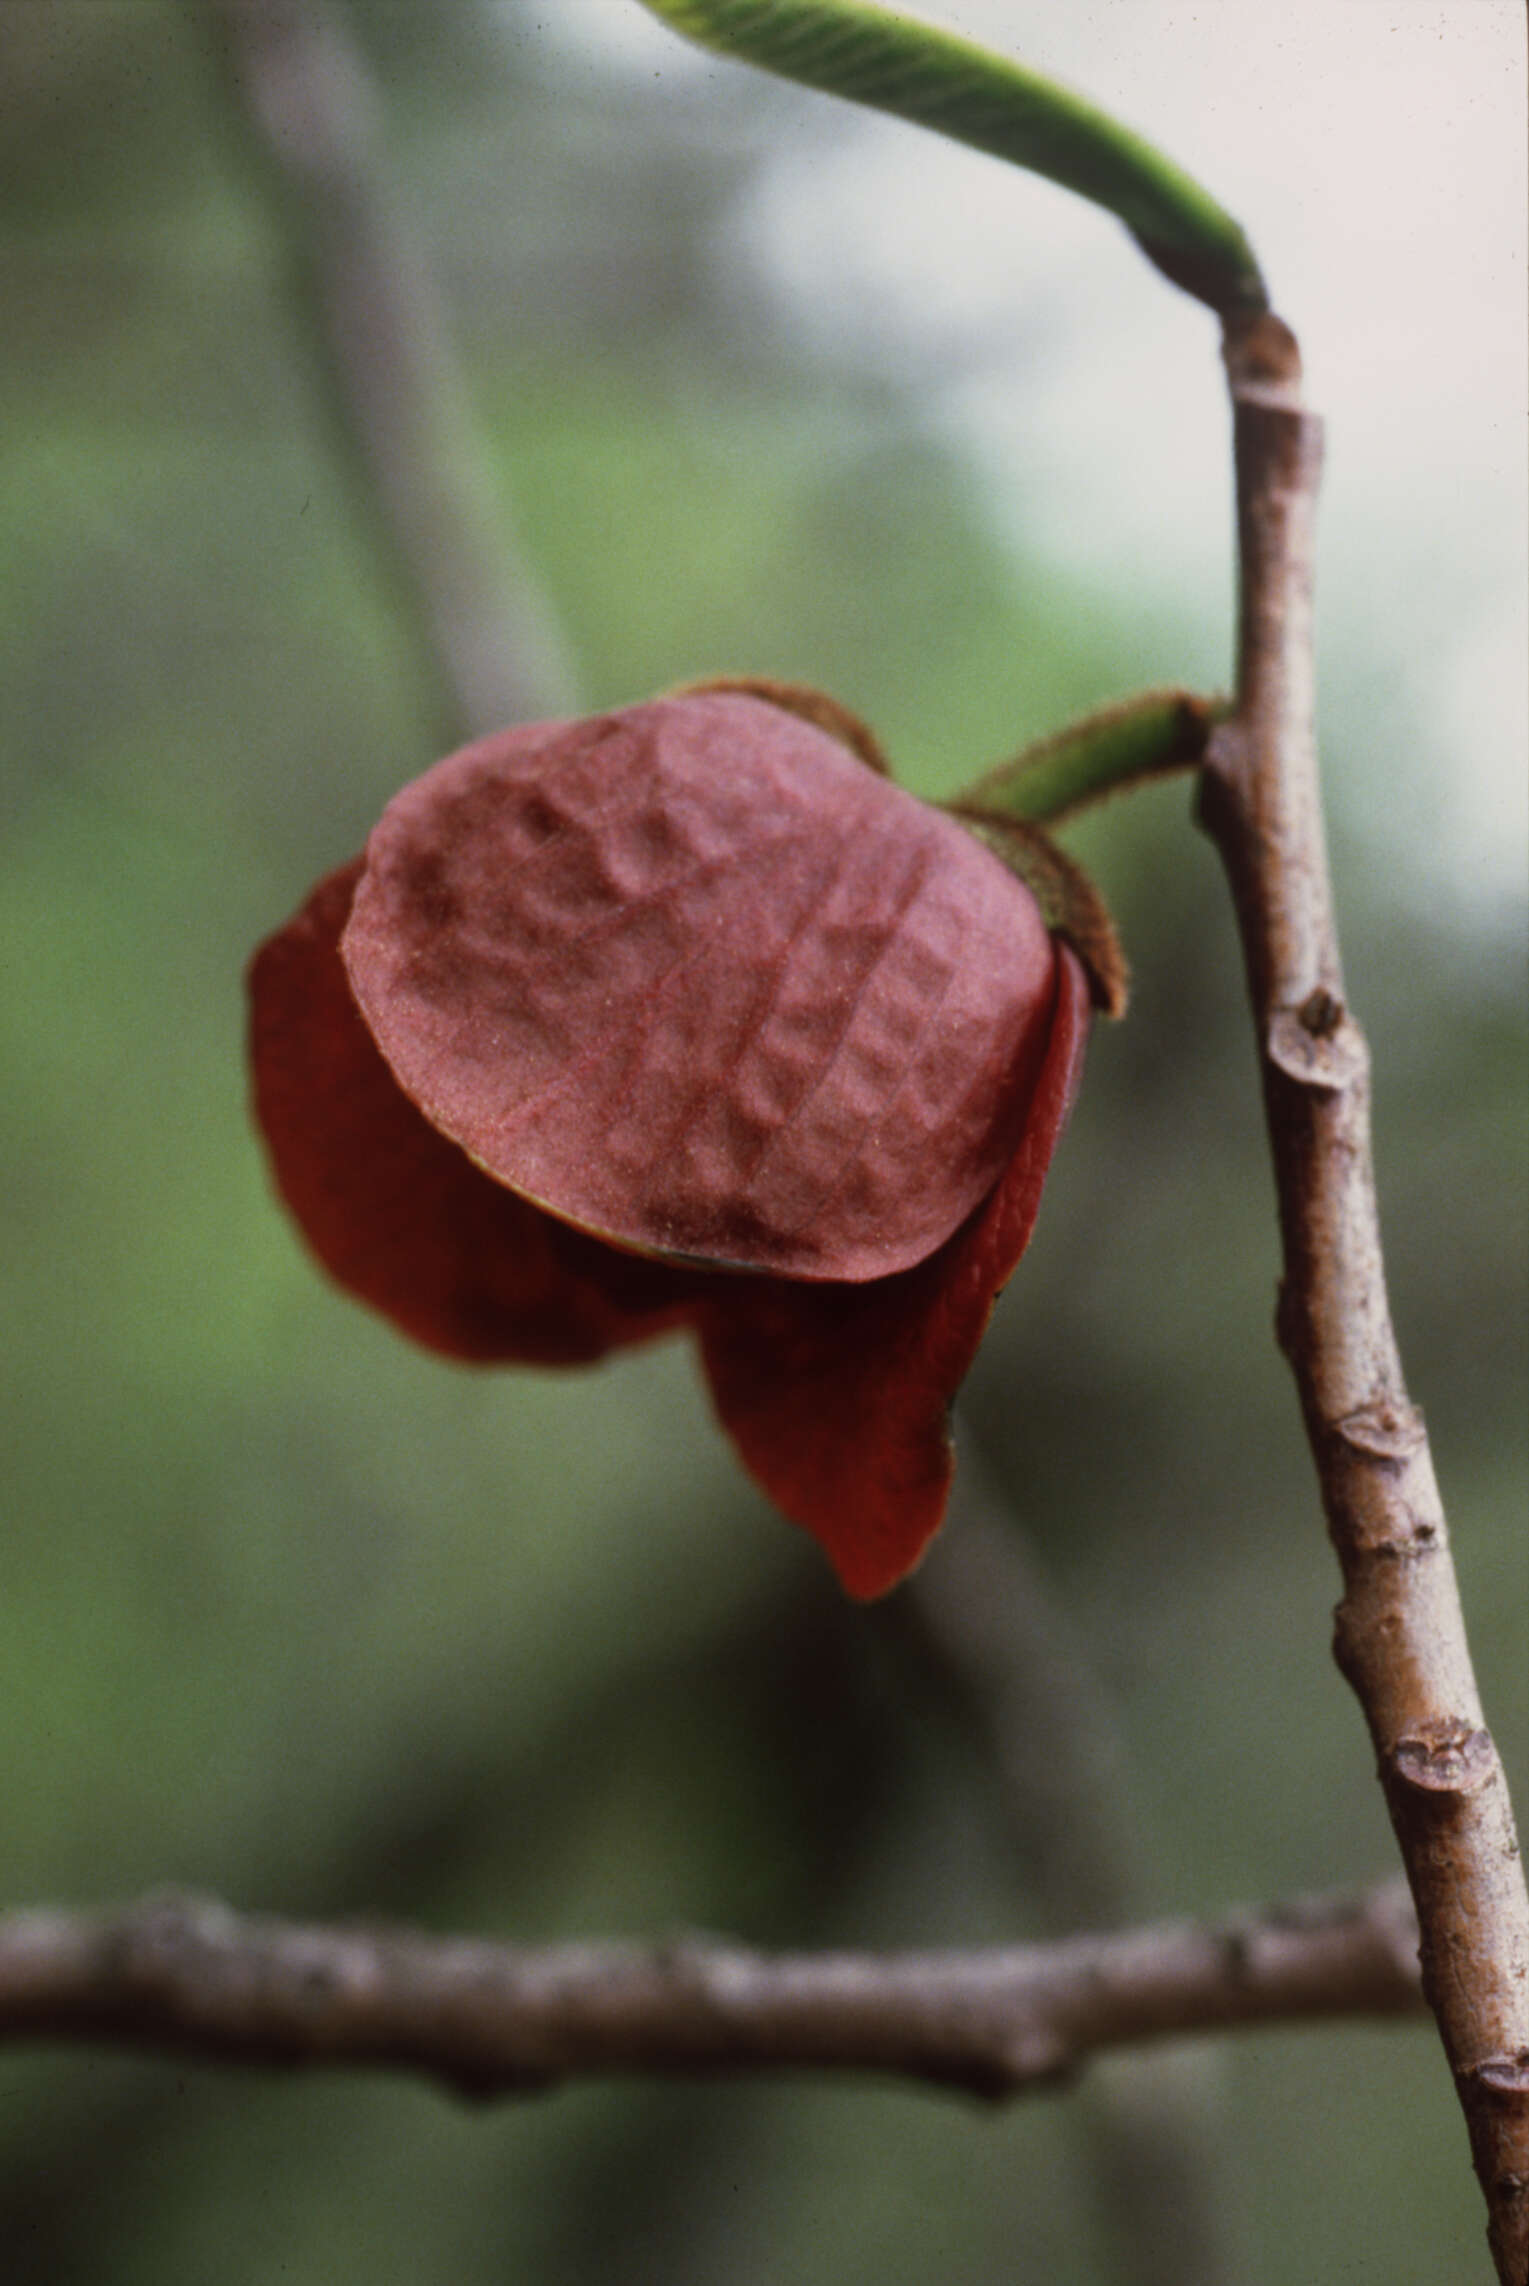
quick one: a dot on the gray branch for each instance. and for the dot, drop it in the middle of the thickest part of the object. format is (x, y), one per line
(1400, 1635)
(306, 108)
(188, 1976)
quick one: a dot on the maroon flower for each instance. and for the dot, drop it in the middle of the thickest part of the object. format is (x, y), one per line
(682, 1016)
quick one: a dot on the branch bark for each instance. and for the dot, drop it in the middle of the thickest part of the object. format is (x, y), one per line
(489, 646)
(1400, 1637)
(188, 1976)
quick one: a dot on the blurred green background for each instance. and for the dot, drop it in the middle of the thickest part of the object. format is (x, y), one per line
(304, 1618)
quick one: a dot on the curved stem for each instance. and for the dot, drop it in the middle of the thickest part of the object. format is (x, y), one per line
(1158, 735)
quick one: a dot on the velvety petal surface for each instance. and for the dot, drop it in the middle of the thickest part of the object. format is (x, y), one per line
(693, 978)
(396, 1212)
(838, 1397)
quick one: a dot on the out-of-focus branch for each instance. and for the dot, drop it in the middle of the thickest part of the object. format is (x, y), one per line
(189, 1977)
(489, 646)
(985, 1614)
(1005, 1652)
(1400, 1634)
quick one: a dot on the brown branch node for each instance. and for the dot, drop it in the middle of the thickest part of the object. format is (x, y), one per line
(1384, 1430)
(1330, 1053)
(1452, 1761)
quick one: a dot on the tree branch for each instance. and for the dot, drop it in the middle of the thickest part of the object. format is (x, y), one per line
(188, 1976)
(489, 646)
(1400, 1636)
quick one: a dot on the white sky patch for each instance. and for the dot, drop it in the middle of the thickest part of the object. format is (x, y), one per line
(1481, 703)
(616, 32)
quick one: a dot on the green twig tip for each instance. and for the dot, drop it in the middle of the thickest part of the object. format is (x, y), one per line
(934, 78)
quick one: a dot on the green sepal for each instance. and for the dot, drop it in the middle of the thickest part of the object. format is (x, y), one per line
(1071, 904)
(806, 702)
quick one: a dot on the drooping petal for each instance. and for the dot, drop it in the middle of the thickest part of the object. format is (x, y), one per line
(397, 1213)
(694, 979)
(838, 1397)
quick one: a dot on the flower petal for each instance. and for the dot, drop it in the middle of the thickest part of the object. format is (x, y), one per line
(397, 1213)
(837, 1397)
(694, 979)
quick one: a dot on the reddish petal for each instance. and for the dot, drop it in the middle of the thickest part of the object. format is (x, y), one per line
(694, 979)
(397, 1213)
(837, 1397)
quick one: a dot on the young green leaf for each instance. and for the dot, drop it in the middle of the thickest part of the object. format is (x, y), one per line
(919, 72)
